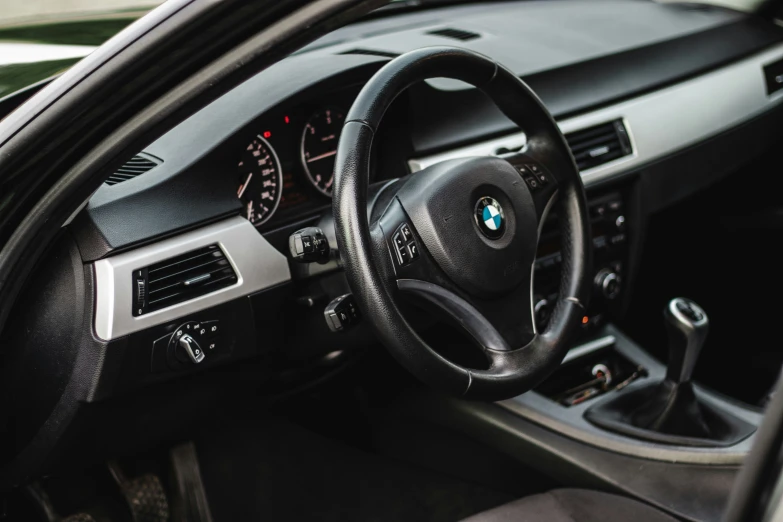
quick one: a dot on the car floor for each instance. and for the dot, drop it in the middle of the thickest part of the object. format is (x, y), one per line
(272, 469)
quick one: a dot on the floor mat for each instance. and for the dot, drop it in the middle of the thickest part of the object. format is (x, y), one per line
(274, 471)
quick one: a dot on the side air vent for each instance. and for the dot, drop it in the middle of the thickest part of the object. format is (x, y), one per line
(138, 164)
(455, 34)
(181, 278)
(601, 144)
(371, 52)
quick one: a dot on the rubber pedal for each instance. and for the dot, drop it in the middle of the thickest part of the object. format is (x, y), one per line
(146, 499)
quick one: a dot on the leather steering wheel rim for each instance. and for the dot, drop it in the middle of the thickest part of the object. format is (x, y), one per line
(375, 279)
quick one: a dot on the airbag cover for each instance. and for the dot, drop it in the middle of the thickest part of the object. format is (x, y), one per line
(441, 203)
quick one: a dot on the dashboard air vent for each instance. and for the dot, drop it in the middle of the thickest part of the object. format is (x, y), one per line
(371, 52)
(600, 144)
(180, 279)
(138, 164)
(455, 34)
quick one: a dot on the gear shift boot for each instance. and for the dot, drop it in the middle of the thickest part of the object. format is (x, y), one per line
(670, 412)
(659, 414)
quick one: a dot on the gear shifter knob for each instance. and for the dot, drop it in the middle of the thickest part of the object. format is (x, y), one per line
(687, 325)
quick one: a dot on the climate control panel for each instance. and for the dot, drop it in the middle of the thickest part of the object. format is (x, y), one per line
(610, 233)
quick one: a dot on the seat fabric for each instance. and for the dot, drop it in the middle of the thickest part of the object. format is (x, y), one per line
(573, 505)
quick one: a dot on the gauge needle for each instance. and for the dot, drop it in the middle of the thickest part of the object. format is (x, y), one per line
(322, 156)
(243, 187)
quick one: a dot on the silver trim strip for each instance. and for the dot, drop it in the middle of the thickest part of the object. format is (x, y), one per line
(588, 348)
(257, 263)
(664, 121)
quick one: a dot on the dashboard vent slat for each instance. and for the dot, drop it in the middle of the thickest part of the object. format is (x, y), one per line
(599, 144)
(138, 164)
(455, 34)
(182, 278)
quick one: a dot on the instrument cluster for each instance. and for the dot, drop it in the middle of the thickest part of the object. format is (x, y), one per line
(285, 163)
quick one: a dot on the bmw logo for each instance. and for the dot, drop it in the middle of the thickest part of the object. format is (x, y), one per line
(489, 217)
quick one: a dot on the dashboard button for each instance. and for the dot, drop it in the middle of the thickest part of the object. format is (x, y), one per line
(213, 345)
(414, 250)
(399, 242)
(212, 329)
(532, 182)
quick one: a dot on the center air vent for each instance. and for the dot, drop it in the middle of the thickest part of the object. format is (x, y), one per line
(138, 164)
(455, 34)
(600, 144)
(180, 279)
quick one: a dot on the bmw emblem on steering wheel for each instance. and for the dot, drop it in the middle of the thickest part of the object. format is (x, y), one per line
(489, 217)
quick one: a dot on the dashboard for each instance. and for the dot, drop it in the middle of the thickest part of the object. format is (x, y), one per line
(234, 180)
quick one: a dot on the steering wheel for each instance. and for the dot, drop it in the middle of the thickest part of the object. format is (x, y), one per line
(462, 235)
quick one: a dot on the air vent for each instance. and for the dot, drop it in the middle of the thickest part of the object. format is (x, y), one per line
(455, 34)
(138, 164)
(180, 279)
(371, 52)
(601, 144)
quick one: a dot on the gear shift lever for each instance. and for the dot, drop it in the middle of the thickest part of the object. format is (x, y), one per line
(670, 411)
(687, 325)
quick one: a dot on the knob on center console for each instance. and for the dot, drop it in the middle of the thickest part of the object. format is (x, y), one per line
(608, 282)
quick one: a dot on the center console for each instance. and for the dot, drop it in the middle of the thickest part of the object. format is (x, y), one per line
(608, 221)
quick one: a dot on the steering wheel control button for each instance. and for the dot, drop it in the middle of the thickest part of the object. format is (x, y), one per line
(405, 245)
(403, 255)
(342, 313)
(532, 182)
(309, 245)
(405, 230)
(490, 218)
(538, 174)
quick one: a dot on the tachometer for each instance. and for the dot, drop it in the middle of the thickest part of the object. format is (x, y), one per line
(260, 181)
(319, 147)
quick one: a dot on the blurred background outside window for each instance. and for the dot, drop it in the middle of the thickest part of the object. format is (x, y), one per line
(41, 38)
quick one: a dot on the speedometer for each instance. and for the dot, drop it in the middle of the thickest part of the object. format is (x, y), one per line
(319, 147)
(260, 181)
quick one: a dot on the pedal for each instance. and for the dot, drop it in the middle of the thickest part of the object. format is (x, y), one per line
(189, 496)
(79, 517)
(144, 495)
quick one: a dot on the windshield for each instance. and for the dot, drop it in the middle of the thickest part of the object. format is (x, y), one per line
(39, 40)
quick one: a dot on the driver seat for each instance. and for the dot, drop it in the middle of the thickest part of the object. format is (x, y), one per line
(572, 505)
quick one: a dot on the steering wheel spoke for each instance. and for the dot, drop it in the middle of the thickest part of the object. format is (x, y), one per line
(499, 323)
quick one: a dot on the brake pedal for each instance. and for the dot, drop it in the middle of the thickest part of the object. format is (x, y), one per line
(144, 496)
